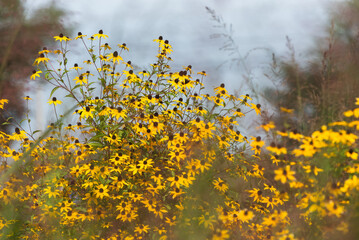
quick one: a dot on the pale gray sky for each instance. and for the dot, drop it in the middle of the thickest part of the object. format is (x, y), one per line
(188, 26)
(256, 23)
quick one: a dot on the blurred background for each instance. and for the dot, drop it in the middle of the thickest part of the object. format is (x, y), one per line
(280, 52)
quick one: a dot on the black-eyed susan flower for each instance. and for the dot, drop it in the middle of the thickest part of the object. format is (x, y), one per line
(203, 73)
(141, 229)
(277, 149)
(176, 192)
(18, 135)
(220, 185)
(44, 50)
(176, 181)
(284, 174)
(268, 126)
(2, 103)
(115, 57)
(334, 208)
(100, 34)
(35, 74)
(220, 234)
(352, 154)
(50, 192)
(123, 46)
(76, 67)
(41, 59)
(80, 80)
(256, 107)
(119, 113)
(54, 101)
(106, 46)
(101, 191)
(159, 211)
(61, 38)
(86, 112)
(256, 194)
(245, 215)
(146, 163)
(287, 236)
(80, 35)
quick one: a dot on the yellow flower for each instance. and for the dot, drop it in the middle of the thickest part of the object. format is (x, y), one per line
(220, 234)
(79, 35)
(245, 215)
(2, 102)
(18, 135)
(268, 126)
(76, 67)
(115, 57)
(101, 191)
(220, 185)
(145, 163)
(203, 73)
(176, 192)
(80, 79)
(54, 101)
(35, 74)
(100, 35)
(27, 98)
(286, 110)
(48, 191)
(123, 46)
(119, 113)
(41, 59)
(142, 229)
(58, 51)
(311, 168)
(61, 38)
(44, 50)
(352, 154)
(287, 237)
(334, 209)
(86, 112)
(221, 90)
(256, 107)
(106, 46)
(256, 194)
(277, 149)
(284, 174)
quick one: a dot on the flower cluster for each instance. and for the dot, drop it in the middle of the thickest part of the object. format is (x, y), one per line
(148, 155)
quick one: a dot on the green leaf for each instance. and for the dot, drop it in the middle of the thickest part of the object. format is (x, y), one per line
(77, 86)
(36, 131)
(53, 91)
